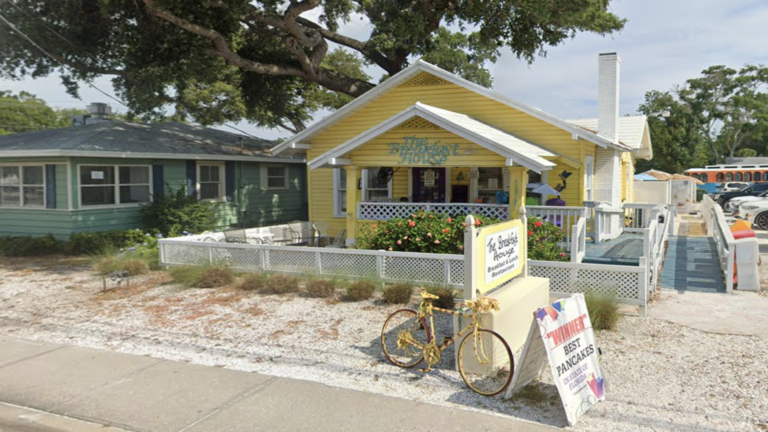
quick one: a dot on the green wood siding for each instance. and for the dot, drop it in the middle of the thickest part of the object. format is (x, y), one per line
(251, 207)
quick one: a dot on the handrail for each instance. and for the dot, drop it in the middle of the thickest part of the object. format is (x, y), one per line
(579, 240)
(718, 229)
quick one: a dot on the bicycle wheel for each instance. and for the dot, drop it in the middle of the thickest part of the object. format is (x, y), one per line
(403, 338)
(486, 366)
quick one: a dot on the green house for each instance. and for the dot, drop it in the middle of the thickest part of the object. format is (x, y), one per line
(95, 177)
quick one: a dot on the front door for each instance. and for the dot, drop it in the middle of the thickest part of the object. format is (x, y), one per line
(429, 185)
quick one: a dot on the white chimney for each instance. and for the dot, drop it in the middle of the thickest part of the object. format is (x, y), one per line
(607, 183)
(608, 96)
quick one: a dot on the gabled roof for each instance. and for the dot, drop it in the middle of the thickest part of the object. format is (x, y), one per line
(516, 150)
(134, 140)
(633, 131)
(297, 142)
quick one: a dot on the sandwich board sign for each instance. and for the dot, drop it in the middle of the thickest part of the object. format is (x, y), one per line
(565, 335)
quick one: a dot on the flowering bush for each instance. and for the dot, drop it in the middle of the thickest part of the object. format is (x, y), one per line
(426, 232)
(544, 241)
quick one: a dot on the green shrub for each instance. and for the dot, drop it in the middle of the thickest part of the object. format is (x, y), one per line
(253, 282)
(110, 264)
(360, 290)
(30, 246)
(603, 310)
(544, 240)
(321, 288)
(97, 243)
(398, 293)
(282, 284)
(203, 276)
(427, 232)
(446, 296)
(175, 212)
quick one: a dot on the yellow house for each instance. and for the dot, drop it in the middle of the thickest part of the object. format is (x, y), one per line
(426, 138)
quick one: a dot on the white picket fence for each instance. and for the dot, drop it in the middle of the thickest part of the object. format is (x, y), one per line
(628, 283)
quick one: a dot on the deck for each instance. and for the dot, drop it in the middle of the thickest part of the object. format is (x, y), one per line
(692, 264)
(623, 250)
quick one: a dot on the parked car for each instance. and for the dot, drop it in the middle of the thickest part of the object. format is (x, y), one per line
(756, 214)
(731, 186)
(753, 190)
(733, 205)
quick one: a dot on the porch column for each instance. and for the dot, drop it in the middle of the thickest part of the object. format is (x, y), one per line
(353, 176)
(518, 178)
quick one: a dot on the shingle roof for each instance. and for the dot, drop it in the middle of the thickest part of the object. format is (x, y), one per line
(176, 140)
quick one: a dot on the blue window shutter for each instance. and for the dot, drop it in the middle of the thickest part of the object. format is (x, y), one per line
(229, 180)
(50, 186)
(158, 181)
(191, 178)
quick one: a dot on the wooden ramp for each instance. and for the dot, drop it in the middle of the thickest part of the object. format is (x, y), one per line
(692, 264)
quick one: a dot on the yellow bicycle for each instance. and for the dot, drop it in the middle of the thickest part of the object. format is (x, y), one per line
(484, 359)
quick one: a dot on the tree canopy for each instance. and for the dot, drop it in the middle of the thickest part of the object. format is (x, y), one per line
(723, 113)
(274, 62)
(26, 113)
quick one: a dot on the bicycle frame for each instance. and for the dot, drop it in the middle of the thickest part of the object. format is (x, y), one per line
(427, 310)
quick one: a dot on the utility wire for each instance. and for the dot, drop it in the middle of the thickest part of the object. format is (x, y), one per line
(14, 28)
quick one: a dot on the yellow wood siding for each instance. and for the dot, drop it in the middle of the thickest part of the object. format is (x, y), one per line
(447, 96)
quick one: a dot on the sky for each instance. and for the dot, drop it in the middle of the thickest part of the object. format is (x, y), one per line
(663, 43)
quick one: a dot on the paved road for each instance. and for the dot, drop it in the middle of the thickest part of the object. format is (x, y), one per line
(137, 393)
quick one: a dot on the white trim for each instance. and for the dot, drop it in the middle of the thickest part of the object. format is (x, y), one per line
(264, 169)
(337, 210)
(69, 186)
(535, 162)
(140, 155)
(422, 66)
(116, 186)
(589, 178)
(21, 184)
(222, 181)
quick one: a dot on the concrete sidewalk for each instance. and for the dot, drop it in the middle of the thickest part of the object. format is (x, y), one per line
(137, 393)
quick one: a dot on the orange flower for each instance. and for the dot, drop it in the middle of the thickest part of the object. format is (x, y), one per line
(399, 224)
(449, 220)
(538, 224)
(478, 222)
(429, 234)
(399, 242)
(530, 232)
(463, 224)
(411, 223)
(562, 255)
(437, 241)
(445, 230)
(418, 238)
(375, 226)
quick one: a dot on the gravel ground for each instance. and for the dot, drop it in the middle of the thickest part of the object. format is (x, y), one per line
(661, 376)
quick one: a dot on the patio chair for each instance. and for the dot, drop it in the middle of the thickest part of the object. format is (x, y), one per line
(339, 240)
(321, 232)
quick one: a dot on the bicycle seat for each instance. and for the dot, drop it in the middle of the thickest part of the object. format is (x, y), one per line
(425, 295)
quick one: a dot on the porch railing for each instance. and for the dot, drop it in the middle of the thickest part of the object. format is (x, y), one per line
(564, 217)
(718, 229)
(578, 243)
(385, 211)
(639, 216)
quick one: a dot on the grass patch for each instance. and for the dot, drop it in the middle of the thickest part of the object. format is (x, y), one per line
(603, 310)
(203, 276)
(321, 288)
(253, 282)
(446, 296)
(398, 294)
(360, 290)
(282, 284)
(106, 265)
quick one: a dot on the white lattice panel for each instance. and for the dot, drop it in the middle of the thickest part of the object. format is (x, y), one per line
(185, 253)
(457, 272)
(348, 264)
(428, 270)
(239, 258)
(559, 278)
(424, 79)
(291, 260)
(386, 211)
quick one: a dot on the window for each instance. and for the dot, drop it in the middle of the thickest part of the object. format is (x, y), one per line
(113, 185)
(695, 175)
(339, 192)
(747, 176)
(765, 176)
(728, 177)
(719, 178)
(490, 181)
(737, 176)
(274, 176)
(589, 171)
(210, 181)
(22, 186)
(375, 187)
(705, 177)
